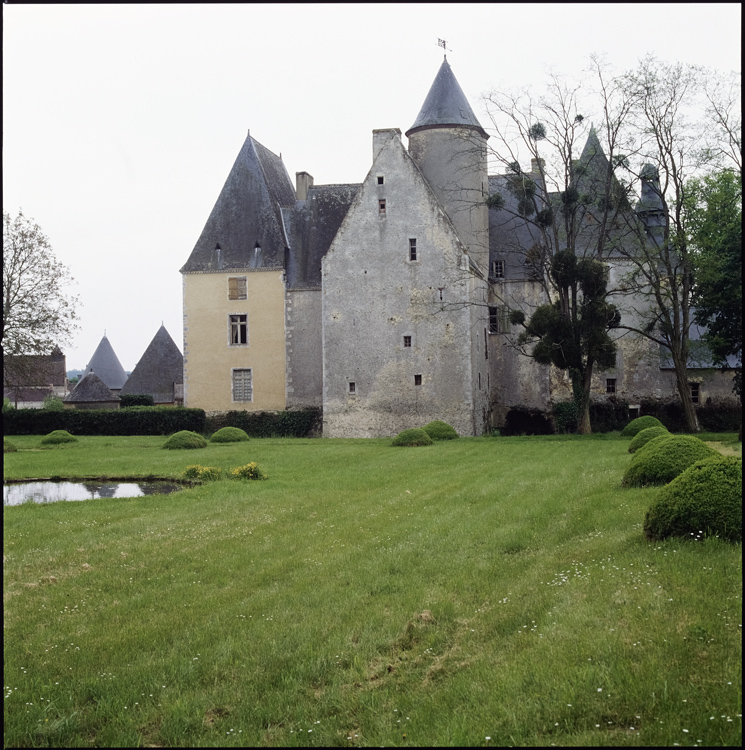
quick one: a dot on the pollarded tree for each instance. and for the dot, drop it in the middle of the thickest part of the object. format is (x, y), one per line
(569, 204)
(38, 314)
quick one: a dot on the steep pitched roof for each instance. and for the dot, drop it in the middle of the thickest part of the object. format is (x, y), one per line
(159, 368)
(311, 226)
(445, 105)
(91, 389)
(246, 214)
(35, 369)
(107, 366)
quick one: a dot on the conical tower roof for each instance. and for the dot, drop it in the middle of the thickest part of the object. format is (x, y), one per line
(159, 368)
(107, 366)
(446, 105)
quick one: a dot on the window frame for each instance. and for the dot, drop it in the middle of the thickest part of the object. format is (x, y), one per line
(611, 386)
(236, 325)
(238, 289)
(695, 392)
(498, 269)
(413, 250)
(407, 342)
(233, 383)
(382, 207)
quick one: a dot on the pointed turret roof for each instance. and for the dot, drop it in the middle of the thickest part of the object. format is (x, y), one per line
(246, 215)
(107, 366)
(445, 105)
(91, 389)
(159, 368)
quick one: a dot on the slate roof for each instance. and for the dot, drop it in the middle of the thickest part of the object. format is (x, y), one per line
(107, 366)
(91, 389)
(159, 368)
(445, 105)
(311, 226)
(36, 369)
(699, 354)
(246, 213)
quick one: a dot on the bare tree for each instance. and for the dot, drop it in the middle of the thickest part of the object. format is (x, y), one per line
(38, 314)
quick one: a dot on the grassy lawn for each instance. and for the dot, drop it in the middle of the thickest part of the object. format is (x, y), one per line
(482, 591)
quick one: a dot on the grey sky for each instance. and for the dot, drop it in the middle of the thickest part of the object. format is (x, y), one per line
(121, 122)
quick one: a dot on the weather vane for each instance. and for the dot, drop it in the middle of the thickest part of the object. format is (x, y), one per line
(442, 43)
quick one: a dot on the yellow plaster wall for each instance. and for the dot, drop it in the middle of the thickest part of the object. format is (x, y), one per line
(208, 359)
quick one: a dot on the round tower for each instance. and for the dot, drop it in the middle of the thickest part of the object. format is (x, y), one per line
(448, 145)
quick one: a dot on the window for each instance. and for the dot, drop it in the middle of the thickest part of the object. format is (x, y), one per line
(407, 342)
(237, 287)
(695, 392)
(493, 324)
(381, 206)
(417, 379)
(610, 385)
(238, 330)
(499, 319)
(242, 385)
(412, 249)
(381, 179)
(497, 269)
(351, 387)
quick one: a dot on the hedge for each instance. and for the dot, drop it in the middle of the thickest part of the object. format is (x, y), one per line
(260, 424)
(136, 420)
(725, 416)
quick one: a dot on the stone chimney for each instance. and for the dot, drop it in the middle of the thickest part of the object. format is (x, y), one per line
(381, 137)
(303, 182)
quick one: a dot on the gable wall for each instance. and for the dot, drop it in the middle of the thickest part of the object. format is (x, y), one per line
(373, 297)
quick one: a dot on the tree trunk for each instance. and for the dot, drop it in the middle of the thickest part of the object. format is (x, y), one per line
(582, 389)
(684, 391)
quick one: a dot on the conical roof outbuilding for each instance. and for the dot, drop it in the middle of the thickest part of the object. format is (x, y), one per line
(107, 366)
(160, 368)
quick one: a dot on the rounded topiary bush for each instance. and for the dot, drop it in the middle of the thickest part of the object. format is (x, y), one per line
(640, 423)
(664, 458)
(439, 430)
(644, 436)
(58, 436)
(8, 447)
(185, 440)
(412, 437)
(229, 435)
(705, 500)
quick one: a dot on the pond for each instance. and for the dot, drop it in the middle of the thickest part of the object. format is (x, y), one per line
(50, 492)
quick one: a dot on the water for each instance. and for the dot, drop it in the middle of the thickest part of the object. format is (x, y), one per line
(51, 492)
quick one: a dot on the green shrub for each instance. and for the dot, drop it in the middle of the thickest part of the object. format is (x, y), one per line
(565, 414)
(58, 436)
(644, 436)
(639, 424)
(439, 430)
(249, 471)
(412, 437)
(7, 405)
(8, 447)
(664, 458)
(229, 435)
(185, 440)
(53, 403)
(705, 500)
(259, 424)
(202, 473)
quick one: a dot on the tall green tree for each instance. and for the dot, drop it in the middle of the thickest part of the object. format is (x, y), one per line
(715, 222)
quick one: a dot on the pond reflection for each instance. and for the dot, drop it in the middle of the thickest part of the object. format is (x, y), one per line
(52, 492)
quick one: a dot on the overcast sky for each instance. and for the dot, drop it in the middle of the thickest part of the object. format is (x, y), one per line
(122, 122)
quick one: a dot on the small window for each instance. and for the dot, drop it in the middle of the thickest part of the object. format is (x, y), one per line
(412, 249)
(417, 379)
(238, 330)
(352, 387)
(381, 179)
(237, 287)
(497, 269)
(242, 385)
(499, 319)
(381, 206)
(493, 320)
(407, 342)
(610, 385)
(695, 392)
